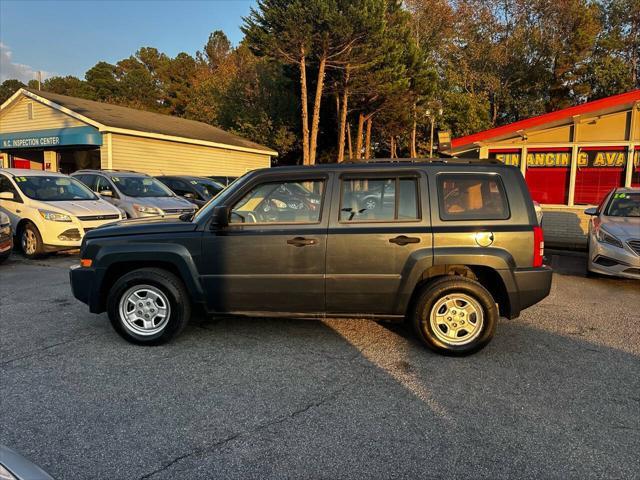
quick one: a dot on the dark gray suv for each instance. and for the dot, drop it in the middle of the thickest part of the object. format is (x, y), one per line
(447, 245)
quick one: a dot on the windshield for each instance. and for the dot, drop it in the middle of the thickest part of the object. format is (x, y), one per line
(623, 204)
(141, 187)
(207, 188)
(218, 199)
(53, 189)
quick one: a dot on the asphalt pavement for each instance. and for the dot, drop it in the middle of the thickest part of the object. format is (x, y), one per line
(555, 395)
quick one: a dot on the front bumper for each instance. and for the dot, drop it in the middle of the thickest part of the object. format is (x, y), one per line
(611, 260)
(6, 244)
(83, 287)
(68, 234)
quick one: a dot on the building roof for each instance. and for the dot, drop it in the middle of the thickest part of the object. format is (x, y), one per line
(601, 106)
(117, 117)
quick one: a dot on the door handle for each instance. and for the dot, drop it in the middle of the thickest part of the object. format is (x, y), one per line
(404, 240)
(301, 241)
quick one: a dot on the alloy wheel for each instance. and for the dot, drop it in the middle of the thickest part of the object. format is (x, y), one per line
(456, 319)
(144, 310)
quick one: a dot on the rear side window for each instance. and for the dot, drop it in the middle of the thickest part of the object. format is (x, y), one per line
(379, 199)
(472, 197)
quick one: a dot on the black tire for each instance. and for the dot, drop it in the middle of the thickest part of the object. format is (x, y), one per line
(162, 280)
(437, 291)
(30, 231)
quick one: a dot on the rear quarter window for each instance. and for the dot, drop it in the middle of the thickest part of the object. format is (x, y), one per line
(472, 197)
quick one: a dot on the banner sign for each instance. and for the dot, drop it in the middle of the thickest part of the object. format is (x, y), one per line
(586, 158)
(51, 138)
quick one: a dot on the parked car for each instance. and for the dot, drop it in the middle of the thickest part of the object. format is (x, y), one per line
(6, 237)
(460, 247)
(222, 180)
(14, 466)
(137, 194)
(50, 211)
(614, 234)
(197, 190)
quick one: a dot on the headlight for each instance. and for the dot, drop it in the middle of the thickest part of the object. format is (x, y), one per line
(54, 217)
(605, 237)
(147, 210)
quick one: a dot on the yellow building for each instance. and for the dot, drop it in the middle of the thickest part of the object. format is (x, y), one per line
(47, 131)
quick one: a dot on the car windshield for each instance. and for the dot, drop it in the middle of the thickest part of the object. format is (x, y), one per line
(624, 204)
(141, 187)
(208, 188)
(53, 188)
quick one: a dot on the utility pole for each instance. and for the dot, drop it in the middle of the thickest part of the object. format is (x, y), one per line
(432, 117)
(39, 79)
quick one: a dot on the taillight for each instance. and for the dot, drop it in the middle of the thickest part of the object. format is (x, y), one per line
(538, 246)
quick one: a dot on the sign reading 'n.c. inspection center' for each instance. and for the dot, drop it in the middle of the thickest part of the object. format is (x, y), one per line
(51, 138)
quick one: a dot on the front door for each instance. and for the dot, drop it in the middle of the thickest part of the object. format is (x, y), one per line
(271, 256)
(381, 230)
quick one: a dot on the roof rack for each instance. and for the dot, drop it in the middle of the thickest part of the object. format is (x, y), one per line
(429, 160)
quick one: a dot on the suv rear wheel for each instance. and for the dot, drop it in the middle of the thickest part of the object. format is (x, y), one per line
(455, 315)
(149, 306)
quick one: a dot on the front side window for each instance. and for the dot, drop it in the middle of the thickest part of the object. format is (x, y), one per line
(281, 202)
(53, 189)
(141, 187)
(472, 197)
(6, 186)
(379, 200)
(624, 204)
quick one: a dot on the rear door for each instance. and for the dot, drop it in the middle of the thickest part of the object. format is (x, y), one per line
(381, 223)
(271, 256)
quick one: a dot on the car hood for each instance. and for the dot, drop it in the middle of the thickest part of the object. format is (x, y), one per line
(164, 202)
(622, 227)
(141, 226)
(82, 207)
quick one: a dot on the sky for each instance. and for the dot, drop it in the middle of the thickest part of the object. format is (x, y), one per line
(68, 37)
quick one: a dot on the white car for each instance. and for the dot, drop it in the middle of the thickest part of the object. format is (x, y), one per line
(50, 211)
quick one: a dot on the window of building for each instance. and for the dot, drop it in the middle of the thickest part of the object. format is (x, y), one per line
(472, 197)
(281, 202)
(379, 200)
(599, 170)
(548, 173)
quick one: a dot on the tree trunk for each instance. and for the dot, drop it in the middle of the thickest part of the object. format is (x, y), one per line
(414, 128)
(359, 137)
(343, 115)
(367, 143)
(392, 147)
(349, 142)
(305, 107)
(315, 120)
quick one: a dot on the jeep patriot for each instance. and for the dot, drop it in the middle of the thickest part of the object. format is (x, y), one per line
(447, 245)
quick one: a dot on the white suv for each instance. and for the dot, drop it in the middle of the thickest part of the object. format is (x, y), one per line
(50, 211)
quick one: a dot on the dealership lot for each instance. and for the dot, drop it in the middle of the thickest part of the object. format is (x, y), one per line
(555, 395)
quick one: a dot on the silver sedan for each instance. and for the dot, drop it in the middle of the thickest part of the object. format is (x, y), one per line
(614, 234)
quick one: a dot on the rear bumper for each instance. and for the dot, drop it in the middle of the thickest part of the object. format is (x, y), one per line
(84, 286)
(528, 287)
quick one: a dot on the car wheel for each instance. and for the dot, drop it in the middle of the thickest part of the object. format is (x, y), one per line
(31, 241)
(455, 316)
(370, 204)
(149, 306)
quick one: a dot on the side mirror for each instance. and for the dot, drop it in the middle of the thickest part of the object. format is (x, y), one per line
(220, 216)
(189, 196)
(591, 211)
(106, 193)
(7, 196)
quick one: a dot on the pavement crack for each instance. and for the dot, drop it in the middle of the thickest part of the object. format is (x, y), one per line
(38, 351)
(248, 433)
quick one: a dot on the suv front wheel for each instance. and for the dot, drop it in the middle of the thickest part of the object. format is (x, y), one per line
(149, 306)
(455, 315)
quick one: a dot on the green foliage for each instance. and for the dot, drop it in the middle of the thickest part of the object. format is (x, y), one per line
(8, 88)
